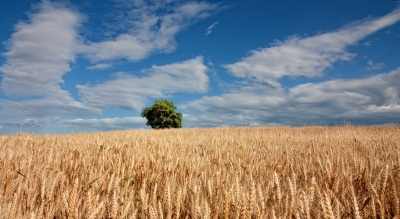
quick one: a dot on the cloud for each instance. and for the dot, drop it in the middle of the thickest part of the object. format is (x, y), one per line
(106, 124)
(210, 28)
(38, 56)
(29, 122)
(131, 92)
(372, 66)
(309, 56)
(367, 44)
(52, 106)
(148, 27)
(373, 100)
(40, 50)
(99, 66)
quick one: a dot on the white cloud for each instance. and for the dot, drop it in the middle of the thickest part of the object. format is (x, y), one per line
(107, 123)
(369, 100)
(372, 66)
(367, 44)
(51, 106)
(40, 50)
(131, 92)
(220, 120)
(38, 56)
(32, 122)
(150, 27)
(210, 28)
(99, 66)
(309, 56)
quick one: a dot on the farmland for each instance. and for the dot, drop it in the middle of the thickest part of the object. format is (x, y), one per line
(246, 172)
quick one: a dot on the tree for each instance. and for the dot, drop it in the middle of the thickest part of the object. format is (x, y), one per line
(162, 115)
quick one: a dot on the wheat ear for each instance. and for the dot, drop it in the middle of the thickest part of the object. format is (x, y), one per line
(226, 205)
(395, 197)
(65, 203)
(373, 208)
(383, 182)
(154, 196)
(278, 188)
(153, 212)
(14, 204)
(355, 203)
(160, 211)
(178, 204)
(262, 200)
(126, 210)
(169, 199)
(110, 184)
(114, 204)
(328, 207)
(96, 211)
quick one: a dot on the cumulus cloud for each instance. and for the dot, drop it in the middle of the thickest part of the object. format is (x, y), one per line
(106, 124)
(211, 27)
(148, 27)
(369, 100)
(131, 92)
(309, 56)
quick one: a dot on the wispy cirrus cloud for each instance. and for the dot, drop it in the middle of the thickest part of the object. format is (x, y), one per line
(374, 66)
(99, 66)
(131, 92)
(45, 107)
(107, 124)
(211, 27)
(32, 122)
(367, 44)
(148, 27)
(309, 56)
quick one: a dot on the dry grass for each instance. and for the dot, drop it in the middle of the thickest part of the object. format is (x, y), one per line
(279, 172)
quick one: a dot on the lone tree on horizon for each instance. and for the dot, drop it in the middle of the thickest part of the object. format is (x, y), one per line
(162, 115)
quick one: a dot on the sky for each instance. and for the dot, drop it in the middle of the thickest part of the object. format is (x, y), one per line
(81, 66)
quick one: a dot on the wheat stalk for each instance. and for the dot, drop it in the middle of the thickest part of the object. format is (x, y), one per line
(264, 172)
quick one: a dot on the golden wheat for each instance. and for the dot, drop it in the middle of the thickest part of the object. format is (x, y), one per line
(252, 172)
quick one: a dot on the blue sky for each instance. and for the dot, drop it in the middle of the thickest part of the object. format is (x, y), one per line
(71, 66)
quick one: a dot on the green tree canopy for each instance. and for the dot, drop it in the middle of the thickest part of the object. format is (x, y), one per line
(162, 115)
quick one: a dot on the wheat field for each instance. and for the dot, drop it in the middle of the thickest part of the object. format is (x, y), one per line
(247, 172)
